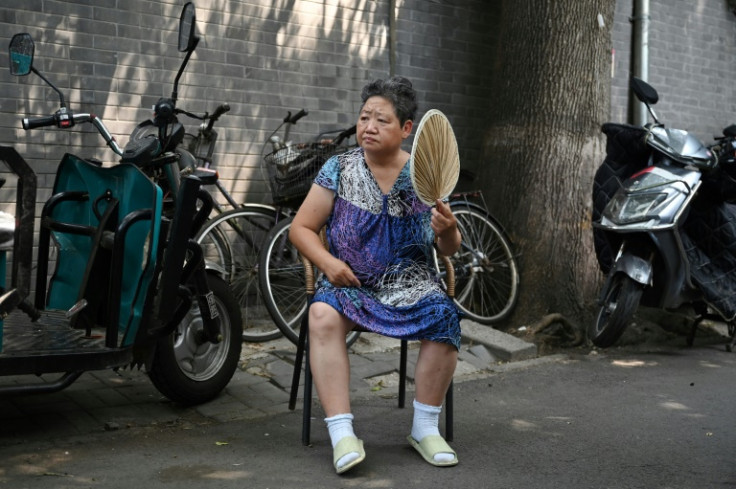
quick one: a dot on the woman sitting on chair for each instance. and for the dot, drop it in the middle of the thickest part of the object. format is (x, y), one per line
(378, 272)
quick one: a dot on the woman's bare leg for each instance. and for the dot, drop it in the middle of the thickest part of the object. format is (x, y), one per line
(328, 357)
(435, 368)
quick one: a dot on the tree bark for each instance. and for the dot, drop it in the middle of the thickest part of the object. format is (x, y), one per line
(543, 145)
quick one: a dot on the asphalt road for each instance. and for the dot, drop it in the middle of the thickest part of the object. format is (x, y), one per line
(657, 417)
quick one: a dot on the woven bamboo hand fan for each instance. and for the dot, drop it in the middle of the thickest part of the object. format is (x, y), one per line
(435, 163)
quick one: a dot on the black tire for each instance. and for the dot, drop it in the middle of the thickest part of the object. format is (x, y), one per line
(231, 243)
(486, 272)
(618, 308)
(188, 373)
(283, 283)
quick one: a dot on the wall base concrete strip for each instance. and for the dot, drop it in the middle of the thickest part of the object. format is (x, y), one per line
(503, 346)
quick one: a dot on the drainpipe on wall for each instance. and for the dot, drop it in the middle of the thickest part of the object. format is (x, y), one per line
(392, 37)
(639, 58)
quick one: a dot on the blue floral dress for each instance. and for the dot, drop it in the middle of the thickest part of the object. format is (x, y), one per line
(387, 241)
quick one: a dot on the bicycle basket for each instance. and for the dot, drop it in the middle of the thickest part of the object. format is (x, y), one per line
(291, 170)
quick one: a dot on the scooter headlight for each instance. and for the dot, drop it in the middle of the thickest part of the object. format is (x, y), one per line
(627, 208)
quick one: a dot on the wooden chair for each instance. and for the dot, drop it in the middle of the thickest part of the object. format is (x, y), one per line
(303, 347)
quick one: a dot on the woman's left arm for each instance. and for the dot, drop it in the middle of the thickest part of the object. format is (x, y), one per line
(444, 225)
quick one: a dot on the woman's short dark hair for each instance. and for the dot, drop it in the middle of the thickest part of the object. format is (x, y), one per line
(398, 91)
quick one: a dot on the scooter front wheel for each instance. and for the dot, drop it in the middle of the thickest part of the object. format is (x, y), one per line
(190, 372)
(618, 308)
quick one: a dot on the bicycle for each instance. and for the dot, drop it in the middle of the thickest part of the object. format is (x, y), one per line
(486, 272)
(232, 240)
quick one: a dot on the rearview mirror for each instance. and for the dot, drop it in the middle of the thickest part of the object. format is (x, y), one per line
(644, 91)
(21, 54)
(187, 25)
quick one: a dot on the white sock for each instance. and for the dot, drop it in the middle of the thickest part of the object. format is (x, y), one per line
(340, 426)
(426, 422)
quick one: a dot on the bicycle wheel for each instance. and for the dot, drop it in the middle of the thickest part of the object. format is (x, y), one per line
(231, 243)
(486, 273)
(283, 284)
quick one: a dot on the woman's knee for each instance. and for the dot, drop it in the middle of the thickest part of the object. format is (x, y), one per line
(324, 319)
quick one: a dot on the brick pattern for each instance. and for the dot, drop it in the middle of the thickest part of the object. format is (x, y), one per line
(691, 53)
(115, 59)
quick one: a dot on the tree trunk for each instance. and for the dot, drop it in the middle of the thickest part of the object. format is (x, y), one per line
(553, 74)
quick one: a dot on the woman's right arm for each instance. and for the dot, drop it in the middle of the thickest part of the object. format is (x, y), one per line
(304, 234)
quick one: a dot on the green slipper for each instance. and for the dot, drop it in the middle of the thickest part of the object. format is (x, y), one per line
(430, 446)
(346, 445)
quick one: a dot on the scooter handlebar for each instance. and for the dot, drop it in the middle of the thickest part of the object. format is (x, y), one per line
(221, 109)
(34, 122)
(292, 120)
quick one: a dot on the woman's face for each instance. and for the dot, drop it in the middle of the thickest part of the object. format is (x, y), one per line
(378, 129)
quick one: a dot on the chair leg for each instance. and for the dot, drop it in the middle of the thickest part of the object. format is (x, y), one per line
(402, 374)
(302, 353)
(307, 412)
(298, 363)
(449, 415)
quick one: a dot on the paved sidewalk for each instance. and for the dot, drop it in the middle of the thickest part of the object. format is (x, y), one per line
(108, 400)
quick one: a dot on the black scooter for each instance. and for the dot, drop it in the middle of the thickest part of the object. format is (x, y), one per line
(662, 226)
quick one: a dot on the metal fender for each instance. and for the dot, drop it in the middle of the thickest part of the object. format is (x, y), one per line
(639, 269)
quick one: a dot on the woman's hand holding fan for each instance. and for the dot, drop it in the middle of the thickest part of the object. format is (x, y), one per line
(435, 168)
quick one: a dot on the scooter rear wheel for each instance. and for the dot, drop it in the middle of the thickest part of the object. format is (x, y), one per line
(619, 305)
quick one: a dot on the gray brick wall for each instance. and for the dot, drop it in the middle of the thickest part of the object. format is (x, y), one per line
(115, 59)
(692, 49)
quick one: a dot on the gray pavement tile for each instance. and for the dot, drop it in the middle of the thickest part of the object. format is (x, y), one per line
(110, 396)
(240, 392)
(284, 381)
(56, 407)
(136, 394)
(23, 402)
(278, 408)
(241, 377)
(8, 410)
(238, 413)
(122, 414)
(36, 426)
(163, 411)
(220, 407)
(279, 367)
(252, 413)
(82, 421)
(266, 393)
(86, 399)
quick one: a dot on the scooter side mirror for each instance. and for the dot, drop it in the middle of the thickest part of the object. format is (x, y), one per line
(644, 91)
(21, 54)
(187, 28)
